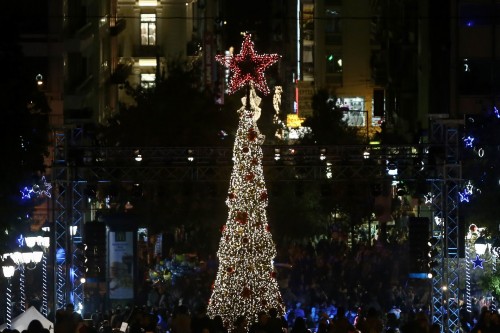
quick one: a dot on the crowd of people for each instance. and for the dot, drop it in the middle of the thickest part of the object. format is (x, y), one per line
(330, 285)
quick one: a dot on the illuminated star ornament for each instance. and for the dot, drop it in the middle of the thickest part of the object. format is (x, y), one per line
(469, 188)
(428, 198)
(248, 67)
(469, 142)
(464, 196)
(478, 262)
(37, 190)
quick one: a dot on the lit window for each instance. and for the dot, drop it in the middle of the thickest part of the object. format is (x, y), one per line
(148, 29)
(353, 109)
(334, 62)
(148, 80)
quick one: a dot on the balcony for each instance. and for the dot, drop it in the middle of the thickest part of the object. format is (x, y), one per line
(81, 39)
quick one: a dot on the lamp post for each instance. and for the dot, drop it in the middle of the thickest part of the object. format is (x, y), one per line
(477, 241)
(8, 269)
(45, 295)
(22, 260)
(40, 245)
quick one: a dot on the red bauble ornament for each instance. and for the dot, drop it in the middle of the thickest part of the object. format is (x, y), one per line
(263, 302)
(249, 177)
(245, 240)
(231, 196)
(245, 149)
(263, 196)
(252, 135)
(255, 161)
(230, 270)
(273, 274)
(223, 228)
(268, 228)
(241, 217)
(246, 292)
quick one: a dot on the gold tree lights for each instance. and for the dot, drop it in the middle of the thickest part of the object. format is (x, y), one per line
(246, 279)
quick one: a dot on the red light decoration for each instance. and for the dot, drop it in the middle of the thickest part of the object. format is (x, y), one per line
(248, 67)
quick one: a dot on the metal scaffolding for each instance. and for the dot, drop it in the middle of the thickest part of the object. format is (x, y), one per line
(445, 224)
(75, 166)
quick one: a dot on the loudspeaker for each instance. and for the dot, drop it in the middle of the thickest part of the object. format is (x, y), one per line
(378, 103)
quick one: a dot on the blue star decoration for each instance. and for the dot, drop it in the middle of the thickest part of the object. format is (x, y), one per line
(478, 262)
(464, 196)
(468, 141)
(20, 241)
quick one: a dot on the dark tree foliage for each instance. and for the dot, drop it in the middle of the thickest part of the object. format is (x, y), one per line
(175, 113)
(327, 125)
(24, 129)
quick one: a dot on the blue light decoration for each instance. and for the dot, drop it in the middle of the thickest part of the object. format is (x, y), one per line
(495, 111)
(37, 190)
(469, 188)
(466, 193)
(464, 196)
(478, 262)
(20, 241)
(60, 255)
(469, 142)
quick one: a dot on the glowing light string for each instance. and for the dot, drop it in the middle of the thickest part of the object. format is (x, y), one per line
(247, 67)
(37, 190)
(468, 297)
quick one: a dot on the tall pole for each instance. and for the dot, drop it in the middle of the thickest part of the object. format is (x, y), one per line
(22, 288)
(8, 314)
(45, 294)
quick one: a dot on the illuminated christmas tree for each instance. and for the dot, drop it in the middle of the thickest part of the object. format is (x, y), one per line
(246, 280)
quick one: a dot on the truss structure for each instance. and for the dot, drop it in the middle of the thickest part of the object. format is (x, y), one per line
(445, 224)
(75, 166)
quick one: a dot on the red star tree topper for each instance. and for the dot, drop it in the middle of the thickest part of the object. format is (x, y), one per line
(248, 67)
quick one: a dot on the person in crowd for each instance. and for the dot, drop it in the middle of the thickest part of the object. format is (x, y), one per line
(372, 322)
(261, 325)
(299, 326)
(484, 323)
(340, 324)
(275, 323)
(181, 320)
(200, 322)
(35, 326)
(64, 322)
(240, 325)
(218, 325)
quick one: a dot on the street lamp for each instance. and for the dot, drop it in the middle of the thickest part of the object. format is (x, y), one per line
(477, 241)
(480, 245)
(40, 243)
(28, 258)
(8, 269)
